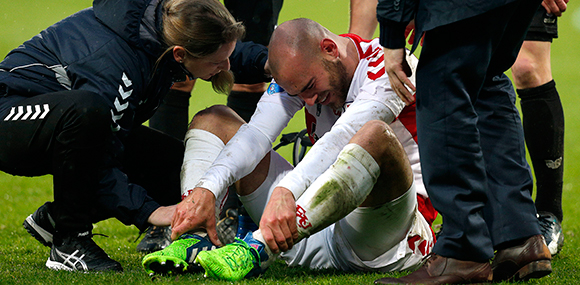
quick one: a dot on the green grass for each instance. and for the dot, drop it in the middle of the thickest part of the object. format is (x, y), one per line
(22, 258)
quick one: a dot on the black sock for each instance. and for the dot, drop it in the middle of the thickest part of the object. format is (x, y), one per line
(244, 103)
(172, 116)
(543, 121)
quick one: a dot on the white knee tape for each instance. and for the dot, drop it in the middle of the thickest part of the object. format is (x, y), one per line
(338, 191)
(201, 150)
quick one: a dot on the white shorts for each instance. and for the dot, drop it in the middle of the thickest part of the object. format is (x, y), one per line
(391, 237)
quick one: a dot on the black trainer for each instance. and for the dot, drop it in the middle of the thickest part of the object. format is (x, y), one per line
(78, 252)
(40, 225)
(552, 231)
(228, 226)
(156, 238)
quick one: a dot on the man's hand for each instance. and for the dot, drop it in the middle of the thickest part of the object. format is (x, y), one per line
(196, 211)
(278, 223)
(555, 7)
(399, 71)
(163, 216)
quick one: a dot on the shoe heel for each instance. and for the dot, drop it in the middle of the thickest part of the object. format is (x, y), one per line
(535, 269)
(37, 232)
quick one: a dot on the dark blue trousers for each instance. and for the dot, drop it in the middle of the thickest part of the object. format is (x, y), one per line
(470, 134)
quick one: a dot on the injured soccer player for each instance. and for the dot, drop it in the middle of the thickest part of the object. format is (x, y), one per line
(356, 202)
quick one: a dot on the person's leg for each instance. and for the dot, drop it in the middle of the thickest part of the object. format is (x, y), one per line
(374, 235)
(509, 176)
(365, 173)
(542, 112)
(448, 124)
(67, 134)
(210, 130)
(260, 17)
(67, 138)
(172, 116)
(363, 18)
(153, 159)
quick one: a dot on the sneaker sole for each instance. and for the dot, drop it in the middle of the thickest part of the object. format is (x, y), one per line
(168, 265)
(57, 266)
(38, 232)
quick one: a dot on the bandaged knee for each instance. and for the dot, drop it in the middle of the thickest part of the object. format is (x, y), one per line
(338, 191)
(201, 150)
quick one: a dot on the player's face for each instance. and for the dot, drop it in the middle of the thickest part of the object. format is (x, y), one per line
(325, 84)
(210, 65)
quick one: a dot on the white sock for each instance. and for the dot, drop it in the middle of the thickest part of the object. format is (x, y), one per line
(338, 191)
(201, 150)
(257, 235)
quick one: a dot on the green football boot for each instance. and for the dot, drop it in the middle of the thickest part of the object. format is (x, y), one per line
(179, 256)
(236, 261)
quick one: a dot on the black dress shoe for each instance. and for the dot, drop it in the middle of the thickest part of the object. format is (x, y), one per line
(531, 259)
(445, 270)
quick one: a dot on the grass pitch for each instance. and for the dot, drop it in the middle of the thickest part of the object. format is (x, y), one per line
(22, 258)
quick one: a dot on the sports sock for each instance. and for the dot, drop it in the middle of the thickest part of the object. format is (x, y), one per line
(172, 116)
(543, 121)
(338, 191)
(201, 150)
(244, 103)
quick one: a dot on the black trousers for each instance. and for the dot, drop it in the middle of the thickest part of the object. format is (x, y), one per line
(96, 174)
(470, 135)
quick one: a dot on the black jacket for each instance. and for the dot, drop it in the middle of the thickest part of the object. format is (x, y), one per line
(394, 15)
(110, 49)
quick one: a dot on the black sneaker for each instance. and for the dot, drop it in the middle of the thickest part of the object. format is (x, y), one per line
(552, 231)
(78, 252)
(156, 238)
(40, 225)
(228, 226)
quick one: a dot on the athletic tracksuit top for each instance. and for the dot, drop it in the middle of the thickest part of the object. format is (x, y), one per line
(110, 49)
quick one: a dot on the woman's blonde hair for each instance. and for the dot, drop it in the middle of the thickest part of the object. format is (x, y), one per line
(201, 27)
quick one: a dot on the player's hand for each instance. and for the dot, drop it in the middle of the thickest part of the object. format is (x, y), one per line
(399, 71)
(196, 211)
(555, 7)
(163, 216)
(278, 223)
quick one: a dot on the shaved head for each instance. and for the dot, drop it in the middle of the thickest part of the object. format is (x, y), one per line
(309, 61)
(295, 40)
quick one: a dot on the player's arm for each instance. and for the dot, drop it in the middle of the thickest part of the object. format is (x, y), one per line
(251, 142)
(278, 223)
(237, 159)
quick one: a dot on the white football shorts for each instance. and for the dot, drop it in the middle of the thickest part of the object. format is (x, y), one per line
(391, 237)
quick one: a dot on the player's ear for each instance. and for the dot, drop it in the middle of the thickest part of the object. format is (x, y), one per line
(329, 47)
(179, 53)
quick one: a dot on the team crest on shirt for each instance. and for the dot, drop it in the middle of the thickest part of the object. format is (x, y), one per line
(274, 88)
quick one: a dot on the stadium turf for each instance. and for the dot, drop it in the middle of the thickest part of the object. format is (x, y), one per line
(22, 258)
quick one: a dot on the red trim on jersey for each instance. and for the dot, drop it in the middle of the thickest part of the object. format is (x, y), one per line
(357, 40)
(407, 118)
(310, 125)
(428, 211)
(374, 76)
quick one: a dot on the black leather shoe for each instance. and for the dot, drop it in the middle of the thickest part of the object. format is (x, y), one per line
(445, 270)
(531, 259)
